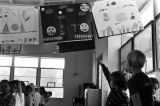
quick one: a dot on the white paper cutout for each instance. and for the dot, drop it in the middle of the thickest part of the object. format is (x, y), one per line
(113, 17)
(19, 25)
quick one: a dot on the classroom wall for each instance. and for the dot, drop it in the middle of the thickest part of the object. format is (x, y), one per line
(109, 48)
(78, 69)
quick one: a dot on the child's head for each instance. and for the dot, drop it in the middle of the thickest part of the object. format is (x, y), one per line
(136, 59)
(5, 86)
(28, 90)
(155, 85)
(14, 86)
(118, 80)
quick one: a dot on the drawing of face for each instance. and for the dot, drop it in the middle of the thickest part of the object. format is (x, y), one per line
(14, 27)
(51, 30)
(84, 27)
(120, 17)
(84, 7)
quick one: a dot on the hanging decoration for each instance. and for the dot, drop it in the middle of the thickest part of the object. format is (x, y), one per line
(10, 49)
(19, 25)
(67, 22)
(114, 17)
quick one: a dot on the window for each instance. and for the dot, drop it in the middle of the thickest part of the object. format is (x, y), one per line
(158, 6)
(52, 63)
(5, 61)
(52, 75)
(51, 78)
(124, 50)
(25, 69)
(26, 62)
(147, 13)
(5, 66)
(41, 71)
(143, 42)
(152, 75)
(126, 37)
(158, 39)
(4, 73)
(25, 74)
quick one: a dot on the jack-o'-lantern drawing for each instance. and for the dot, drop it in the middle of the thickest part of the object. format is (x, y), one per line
(51, 30)
(84, 27)
(84, 7)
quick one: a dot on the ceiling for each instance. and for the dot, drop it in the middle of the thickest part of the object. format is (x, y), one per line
(45, 2)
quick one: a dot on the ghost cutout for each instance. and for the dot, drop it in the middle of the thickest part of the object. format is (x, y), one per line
(84, 27)
(84, 7)
(51, 30)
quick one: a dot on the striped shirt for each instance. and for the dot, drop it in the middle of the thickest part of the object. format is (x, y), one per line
(117, 98)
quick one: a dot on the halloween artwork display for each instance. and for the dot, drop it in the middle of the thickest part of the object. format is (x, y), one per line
(67, 22)
(113, 17)
(10, 49)
(19, 25)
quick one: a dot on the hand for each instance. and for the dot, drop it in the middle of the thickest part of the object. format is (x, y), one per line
(99, 61)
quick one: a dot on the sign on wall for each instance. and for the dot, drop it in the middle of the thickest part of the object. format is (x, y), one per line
(66, 22)
(19, 25)
(113, 17)
(10, 49)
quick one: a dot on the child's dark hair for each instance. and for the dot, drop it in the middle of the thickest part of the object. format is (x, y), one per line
(154, 81)
(119, 79)
(136, 59)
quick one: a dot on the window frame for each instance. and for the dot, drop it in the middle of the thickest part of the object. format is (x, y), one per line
(151, 23)
(120, 52)
(38, 70)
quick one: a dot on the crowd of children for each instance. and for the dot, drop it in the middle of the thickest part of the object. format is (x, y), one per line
(16, 93)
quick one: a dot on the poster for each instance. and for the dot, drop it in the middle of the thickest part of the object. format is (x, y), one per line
(50, 23)
(113, 17)
(19, 25)
(10, 49)
(67, 22)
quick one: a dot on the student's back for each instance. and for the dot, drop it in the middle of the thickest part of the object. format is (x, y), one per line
(140, 85)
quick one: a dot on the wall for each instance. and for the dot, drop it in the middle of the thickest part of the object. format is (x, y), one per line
(78, 69)
(114, 44)
(109, 48)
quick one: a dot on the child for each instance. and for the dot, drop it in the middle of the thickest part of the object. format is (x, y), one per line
(140, 84)
(155, 86)
(6, 98)
(16, 90)
(117, 82)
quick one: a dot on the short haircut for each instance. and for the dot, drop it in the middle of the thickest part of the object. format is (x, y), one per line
(136, 59)
(119, 79)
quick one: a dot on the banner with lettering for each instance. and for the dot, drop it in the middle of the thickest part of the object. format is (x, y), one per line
(19, 25)
(113, 17)
(67, 22)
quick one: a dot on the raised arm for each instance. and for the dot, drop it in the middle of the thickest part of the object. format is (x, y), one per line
(105, 71)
